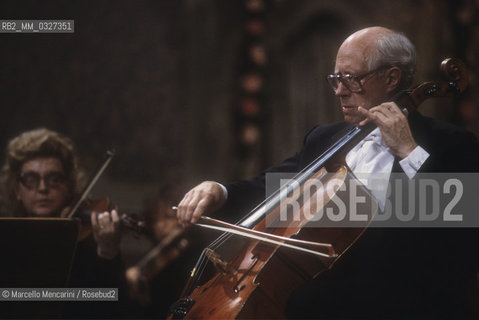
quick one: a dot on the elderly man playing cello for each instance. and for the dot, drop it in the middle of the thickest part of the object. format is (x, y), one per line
(389, 272)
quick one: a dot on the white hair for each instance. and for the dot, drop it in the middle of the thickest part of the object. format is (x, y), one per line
(395, 49)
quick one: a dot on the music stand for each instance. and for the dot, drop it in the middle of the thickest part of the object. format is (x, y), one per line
(36, 253)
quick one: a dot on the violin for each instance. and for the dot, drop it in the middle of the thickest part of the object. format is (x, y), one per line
(172, 241)
(127, 222)
(253, 277)
(169, 249)
(84, 207)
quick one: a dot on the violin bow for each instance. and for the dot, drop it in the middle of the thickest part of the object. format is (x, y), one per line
(92, 182)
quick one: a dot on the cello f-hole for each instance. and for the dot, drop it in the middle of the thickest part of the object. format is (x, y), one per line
(236, 287)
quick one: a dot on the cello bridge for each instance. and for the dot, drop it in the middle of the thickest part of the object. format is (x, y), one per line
(219, 263)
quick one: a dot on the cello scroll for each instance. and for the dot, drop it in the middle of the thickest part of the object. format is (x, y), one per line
(453, 71)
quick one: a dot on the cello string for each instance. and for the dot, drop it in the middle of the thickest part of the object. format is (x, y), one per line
(262, 209)
(306, 172)
(202, 262)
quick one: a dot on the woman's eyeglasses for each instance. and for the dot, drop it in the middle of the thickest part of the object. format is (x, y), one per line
(31, 180)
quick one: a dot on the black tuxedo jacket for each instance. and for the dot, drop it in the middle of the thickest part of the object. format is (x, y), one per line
(388, 272)
(450, 149)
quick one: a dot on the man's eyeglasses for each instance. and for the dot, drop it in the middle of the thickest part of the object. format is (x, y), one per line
(352, 82)
(31, 180)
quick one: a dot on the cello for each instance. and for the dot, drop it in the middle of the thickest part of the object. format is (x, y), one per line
(246, 284)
